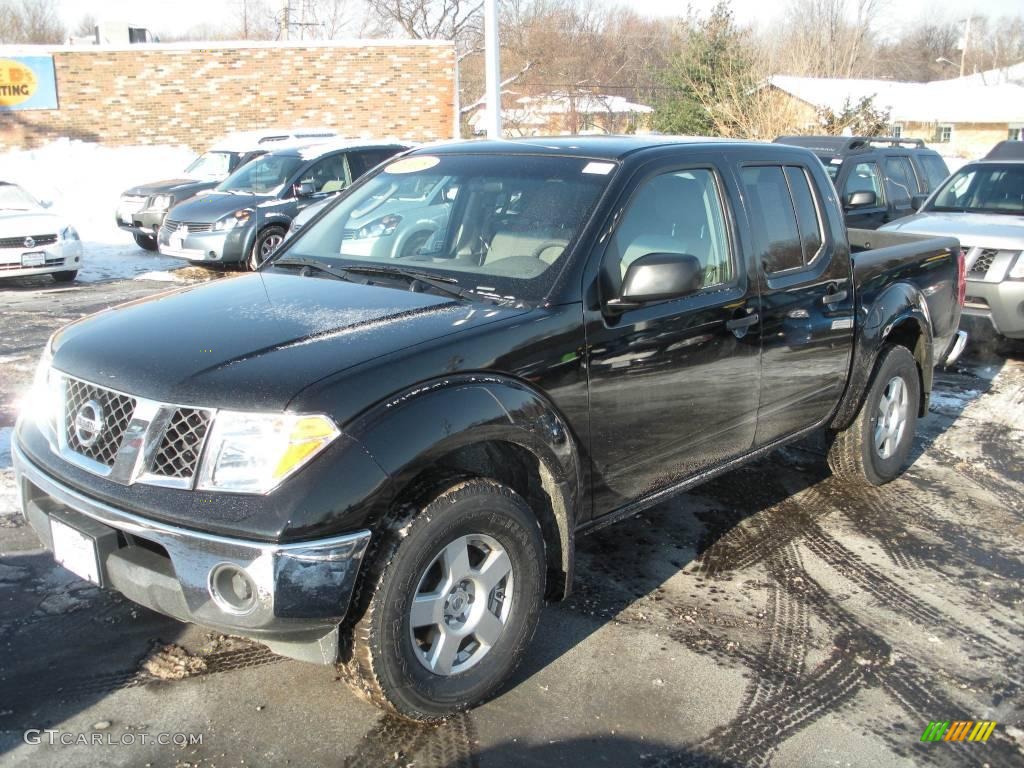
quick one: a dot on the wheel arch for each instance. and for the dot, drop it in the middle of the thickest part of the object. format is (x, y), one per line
(898, 316)
(486, 426)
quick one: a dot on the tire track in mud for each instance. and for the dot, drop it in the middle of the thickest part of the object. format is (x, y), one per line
(400, 743)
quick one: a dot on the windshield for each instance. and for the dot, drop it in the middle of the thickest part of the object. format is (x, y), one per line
(14, 198)
(497, 225)
(265, 175)
(212, 165)
(988, 188)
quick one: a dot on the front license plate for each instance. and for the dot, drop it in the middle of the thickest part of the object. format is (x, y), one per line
(125, 217)
(75, 551)
(35, 259)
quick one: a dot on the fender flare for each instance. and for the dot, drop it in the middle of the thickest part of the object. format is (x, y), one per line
(897, 305)
(414, 429)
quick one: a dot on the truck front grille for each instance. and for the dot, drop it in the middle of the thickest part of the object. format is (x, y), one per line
(95, 420)
(983, 261)
(182, 443)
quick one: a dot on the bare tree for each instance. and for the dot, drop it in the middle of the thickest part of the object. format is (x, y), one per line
(86, 26)
(31, 21)
(430, 19)
(826, 38)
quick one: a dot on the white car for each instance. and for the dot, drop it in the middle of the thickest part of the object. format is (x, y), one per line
(34, 241)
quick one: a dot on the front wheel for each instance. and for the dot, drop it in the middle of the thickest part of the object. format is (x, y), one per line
(267, 241)
(456, 599)
(874, 448)
(65, 276)
(145, 242)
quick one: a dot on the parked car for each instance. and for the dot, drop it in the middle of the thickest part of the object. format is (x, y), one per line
(898, 174)
(385, 462)
(982, 204)
(142, 209)
(33, 240)
(245, 217)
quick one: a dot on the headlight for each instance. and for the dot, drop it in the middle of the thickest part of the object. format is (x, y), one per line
(69, 233)
(255, 452)
(1017, 271)
(40, 404)
(382, 227)
(233, 220)
(160, 202)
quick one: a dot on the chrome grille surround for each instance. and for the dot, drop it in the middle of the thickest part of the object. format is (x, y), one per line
(142, 441)
(191, 226)
(983, 261)
(19, 242)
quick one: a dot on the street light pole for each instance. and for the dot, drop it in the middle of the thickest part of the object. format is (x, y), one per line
(492, 69)
(967, 40)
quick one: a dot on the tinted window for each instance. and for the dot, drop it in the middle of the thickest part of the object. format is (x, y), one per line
(984, 188)
(864, 178)
(361, 162)
(806, 212)
(900, 176)
(935, 170)
(680, 213)
(773, 217)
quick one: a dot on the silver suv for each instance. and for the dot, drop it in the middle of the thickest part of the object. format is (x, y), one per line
(982, 204)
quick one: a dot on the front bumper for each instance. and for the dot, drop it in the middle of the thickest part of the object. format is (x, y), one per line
(301, 591)
(218, 247)
(146, 222)
(62, 256)
(1002, 304)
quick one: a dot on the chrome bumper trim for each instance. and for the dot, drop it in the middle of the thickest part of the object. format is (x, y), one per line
(956, 348)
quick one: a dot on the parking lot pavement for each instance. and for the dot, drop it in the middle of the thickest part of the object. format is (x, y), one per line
(770, 617)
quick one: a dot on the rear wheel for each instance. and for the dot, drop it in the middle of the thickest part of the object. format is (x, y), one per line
(874, 448)
(145, 242)
(66, 276)
(455, 601)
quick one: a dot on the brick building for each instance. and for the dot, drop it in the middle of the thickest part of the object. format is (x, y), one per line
(194, 93)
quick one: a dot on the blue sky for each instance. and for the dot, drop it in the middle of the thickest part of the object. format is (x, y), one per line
(172, 16)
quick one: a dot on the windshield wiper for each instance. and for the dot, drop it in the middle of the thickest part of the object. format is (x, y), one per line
(439, 283)
(300, 261)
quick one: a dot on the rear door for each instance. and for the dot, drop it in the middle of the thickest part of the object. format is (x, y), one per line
(673, 385)
(806, 295)
(865, 176)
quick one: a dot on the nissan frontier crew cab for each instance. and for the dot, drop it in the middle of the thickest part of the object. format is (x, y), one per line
(381, 459)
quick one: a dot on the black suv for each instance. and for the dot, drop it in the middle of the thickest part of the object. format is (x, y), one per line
(860, 163)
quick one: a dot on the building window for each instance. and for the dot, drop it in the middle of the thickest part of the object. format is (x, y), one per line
(944, 134)
(1014, 134)
(897, 131)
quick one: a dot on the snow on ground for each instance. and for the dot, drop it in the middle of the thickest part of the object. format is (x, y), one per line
(84, 181)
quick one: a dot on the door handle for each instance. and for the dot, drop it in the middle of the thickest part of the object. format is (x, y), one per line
(833, 295)
(742, 323)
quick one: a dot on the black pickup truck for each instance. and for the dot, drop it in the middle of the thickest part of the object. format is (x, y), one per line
(382, 462)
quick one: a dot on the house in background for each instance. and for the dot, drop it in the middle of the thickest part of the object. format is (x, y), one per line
(967, 115)
(560, 113)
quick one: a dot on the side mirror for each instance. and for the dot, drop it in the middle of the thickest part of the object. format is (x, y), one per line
(863, 198)
(46, 203)
(305, 189)
(917, 201)
(657, 277)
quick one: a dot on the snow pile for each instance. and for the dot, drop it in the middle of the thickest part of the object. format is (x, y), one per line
(84, 182)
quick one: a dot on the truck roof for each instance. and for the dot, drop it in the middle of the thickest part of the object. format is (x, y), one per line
(597, 147)
(841, 145)
(268, 138)
(1006, 150)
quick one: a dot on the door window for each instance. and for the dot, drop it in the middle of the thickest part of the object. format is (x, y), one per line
(773, 217)
(680, 212)
(864, 178)
(901, 181)
(361, 162)
(808, 219)
(329, 174)
(935, 170)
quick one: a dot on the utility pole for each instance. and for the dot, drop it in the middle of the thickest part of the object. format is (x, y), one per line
(285, 20)
(967, 40)
(492, 69)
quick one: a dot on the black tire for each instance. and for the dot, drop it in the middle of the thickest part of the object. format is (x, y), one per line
(66, 276)
(145, 242)
(268, 240)
(854, 455)
(386, 661)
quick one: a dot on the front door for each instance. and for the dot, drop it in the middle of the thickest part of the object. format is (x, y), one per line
(673, 385)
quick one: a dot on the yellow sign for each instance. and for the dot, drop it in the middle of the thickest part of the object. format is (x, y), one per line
(17, 83)
(413, 164)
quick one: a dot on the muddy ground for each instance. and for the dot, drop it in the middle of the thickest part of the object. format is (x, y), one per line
(769, 618)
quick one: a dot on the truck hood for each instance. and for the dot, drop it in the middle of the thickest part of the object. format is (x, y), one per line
(178, 187)
(253, 342)
(989, 230)
(212, 206)
(24, 223)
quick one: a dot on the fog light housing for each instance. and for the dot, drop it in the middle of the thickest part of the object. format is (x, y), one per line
(232, 589)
